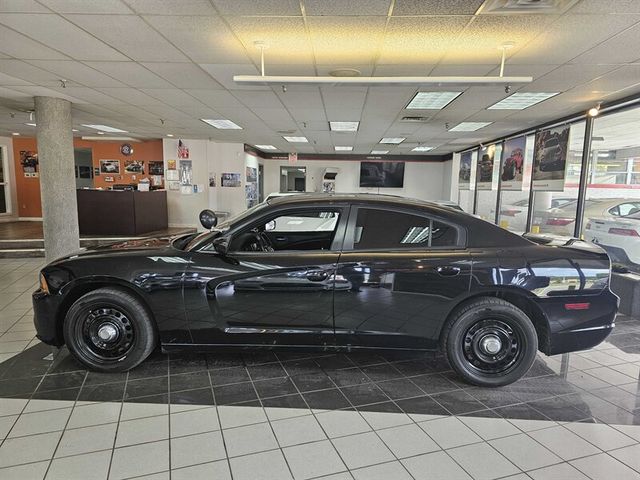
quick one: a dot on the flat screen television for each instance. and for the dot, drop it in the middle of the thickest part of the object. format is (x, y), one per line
(382, 174)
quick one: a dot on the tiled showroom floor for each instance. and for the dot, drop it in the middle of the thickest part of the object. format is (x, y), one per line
(290, 415)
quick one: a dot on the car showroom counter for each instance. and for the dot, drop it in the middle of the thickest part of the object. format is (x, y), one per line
(121, 212)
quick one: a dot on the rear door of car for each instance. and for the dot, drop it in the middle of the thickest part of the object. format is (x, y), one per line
(405, 270)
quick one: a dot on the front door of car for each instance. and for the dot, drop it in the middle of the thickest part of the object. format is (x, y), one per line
(406, 271)
(274, 285)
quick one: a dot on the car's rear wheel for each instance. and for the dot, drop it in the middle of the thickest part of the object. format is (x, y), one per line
(109, 330)
(490, 342)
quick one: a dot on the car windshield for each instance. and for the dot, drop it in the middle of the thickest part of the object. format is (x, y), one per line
(635, 215)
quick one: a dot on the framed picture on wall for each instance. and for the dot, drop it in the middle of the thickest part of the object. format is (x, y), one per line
(134, 166)
(110, 166)
(156, 168)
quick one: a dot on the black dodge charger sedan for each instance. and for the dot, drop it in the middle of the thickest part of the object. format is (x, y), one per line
(334, 272)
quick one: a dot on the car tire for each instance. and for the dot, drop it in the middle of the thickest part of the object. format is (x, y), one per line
(490, 342)
(109, 330)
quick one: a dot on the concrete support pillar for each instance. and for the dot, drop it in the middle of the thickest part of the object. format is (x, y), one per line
(57, 179)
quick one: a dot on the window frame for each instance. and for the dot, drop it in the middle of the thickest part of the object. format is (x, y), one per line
(349, 237)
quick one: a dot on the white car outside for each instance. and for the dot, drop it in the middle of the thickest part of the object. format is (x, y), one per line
(619, 236)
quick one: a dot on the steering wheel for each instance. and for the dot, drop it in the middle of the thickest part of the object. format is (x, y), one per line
(264, 241)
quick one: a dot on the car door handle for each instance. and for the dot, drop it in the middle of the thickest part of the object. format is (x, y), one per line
(281, 239)
(317, 275)
(448, 271)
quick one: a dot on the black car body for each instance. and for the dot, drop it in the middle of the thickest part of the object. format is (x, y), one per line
(375, 272)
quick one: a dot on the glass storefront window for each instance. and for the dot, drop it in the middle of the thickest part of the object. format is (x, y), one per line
(466, 196)
(514, 204)
(555, 212)
(486, 203)
(612, 209)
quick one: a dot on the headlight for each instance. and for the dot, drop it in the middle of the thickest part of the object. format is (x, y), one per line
(43, 284)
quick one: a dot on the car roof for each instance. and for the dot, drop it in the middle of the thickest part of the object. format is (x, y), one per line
(312, 197)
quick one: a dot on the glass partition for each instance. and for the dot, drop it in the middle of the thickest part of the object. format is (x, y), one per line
(612, 209)
(514, 204)
(467, 180)
(555, 211)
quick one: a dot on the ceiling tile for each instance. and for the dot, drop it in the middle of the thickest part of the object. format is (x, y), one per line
(259, 99)
(436, 7)
(203, 39)
(350, 8)
(223, 74)
(87, 6)
(28, 72)
(566, 76)
(263, 7)
(600, 6)
(77, 72)
(621, 48)
(172, 96)
(164, 7)
(215, 98)
(130, 35)
(183, 75)
(8, 80)
(25, 6)
(131, 73)
(23, 47)
(131, 96)
(58, 33)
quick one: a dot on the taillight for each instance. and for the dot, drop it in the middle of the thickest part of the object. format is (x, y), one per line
(43, 284)
(559, 221)
(628, 232)
(577, 306)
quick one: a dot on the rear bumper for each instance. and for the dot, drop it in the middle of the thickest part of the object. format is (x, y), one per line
(572, 330)
(45, 309)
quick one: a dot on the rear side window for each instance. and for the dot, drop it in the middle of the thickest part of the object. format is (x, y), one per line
(382, 229)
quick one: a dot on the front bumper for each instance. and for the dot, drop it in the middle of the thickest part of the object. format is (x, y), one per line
(572, 330)
(45, 310)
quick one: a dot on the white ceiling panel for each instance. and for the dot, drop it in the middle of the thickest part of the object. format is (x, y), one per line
(350, 8)
(621, 48)
(169, 7)
(215, 98)
(77, 72)
(436, 7)
(261, 8)
(172, 96)
(301, 97)
(131, 73)
(130, 96)
(223, 74)
(87, 6)
(23, 47)
(205, 39)
(22, 6)
(31, 74)
(601, 6)
(316, 119)
(565, 77)
(259, 99)
(56, 32)
(183, 75)
(88, 95)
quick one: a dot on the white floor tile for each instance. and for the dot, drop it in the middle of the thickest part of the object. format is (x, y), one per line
(194, 421)
(94, 414)
(33, 448)
(449, 432)
(482, 461)
(249, 439)
(231, 416)
(604, 467)
(630, 456)
(30, 471)
(143, 430)
(602, 436)
(525, 452)
(340, 422)
(261, 466)
(313, 460)
(564, 443)
(562, 471)
(293, 431)
(490, 428)
(407, 440)
(139, 460)
(91, 466)
(194, 449)
(435, 466)
(40, 422)
(87, 439)
(207, 471)
(386, 471)
(362, 450)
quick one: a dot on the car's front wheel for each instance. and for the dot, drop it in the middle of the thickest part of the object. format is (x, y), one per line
(490, 342)
(109, 330)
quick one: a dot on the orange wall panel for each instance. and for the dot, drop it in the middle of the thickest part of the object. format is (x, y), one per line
(28, 188)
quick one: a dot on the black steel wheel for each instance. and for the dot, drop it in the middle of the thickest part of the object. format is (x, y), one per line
(109, 330)
(490, 342)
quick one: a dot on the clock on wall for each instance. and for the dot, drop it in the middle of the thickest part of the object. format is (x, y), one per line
(126, 149)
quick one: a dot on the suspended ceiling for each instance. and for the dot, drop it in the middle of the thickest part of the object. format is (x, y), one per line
(155, 67)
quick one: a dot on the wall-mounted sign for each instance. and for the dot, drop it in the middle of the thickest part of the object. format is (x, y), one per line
(110, 166)
(134, 166)
(126, 149)
(550, 159)
(293, 158)
(487, 173)
(183, 150)
(231, 180)
(29, 161)
(512, 170)
(466, 170)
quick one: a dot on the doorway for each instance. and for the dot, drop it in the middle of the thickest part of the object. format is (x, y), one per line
(83, 159)
(293, 179)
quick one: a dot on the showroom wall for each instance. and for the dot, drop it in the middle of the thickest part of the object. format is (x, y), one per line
(28, 188)
(423, 180)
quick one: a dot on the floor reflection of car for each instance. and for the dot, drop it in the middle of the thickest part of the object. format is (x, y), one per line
(619, 236)
(561, 220)
(341, 272)
(551, 156)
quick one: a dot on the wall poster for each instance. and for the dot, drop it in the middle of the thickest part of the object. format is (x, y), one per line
(550, 159)
(186, 172)
(466, 167)
(134, 166)
(231, 180)
(109, 166)
(156, 168)
(29, 161)
(512, 171)
(487, 173)
(212, 179)
(183, 150)
(251, 193)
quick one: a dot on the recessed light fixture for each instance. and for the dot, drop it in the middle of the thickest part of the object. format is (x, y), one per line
(100, 133)
(222, 124)
(296, 139)
(469, 126)
(594, 111)
(75, 130)
(105, 128)
(15, 134)
(522, 100)
(344, 126)
(422, 148)
(393, 140)
(170, 135)
(266, 147)
(379, 152)
(30, 124)
(339, 148)
(432, 100)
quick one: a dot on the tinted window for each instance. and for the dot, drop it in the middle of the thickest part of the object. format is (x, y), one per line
(384, 229)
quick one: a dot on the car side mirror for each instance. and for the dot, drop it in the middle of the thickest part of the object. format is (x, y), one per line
(208, 219)
(221, 245)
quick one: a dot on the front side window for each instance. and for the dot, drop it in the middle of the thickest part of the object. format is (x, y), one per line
(381, 229)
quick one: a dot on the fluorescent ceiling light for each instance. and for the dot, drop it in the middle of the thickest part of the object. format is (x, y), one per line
(432, 100)
(222, 124)
(111, 139)
(75, 130)
(31, 124)
(266, 147)
(169, 135)
(469, 126)
(330, 80)
(344, 126)
(105, 128)
(422, 148)
(15, 134)
(520, 101)
(339, 148)
(379, 152)
(296, 139)
(393, 140)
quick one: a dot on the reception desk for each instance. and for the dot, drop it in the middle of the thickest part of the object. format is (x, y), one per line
(121, 212)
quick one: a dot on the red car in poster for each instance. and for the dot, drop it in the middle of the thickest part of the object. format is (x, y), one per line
(513, 165)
